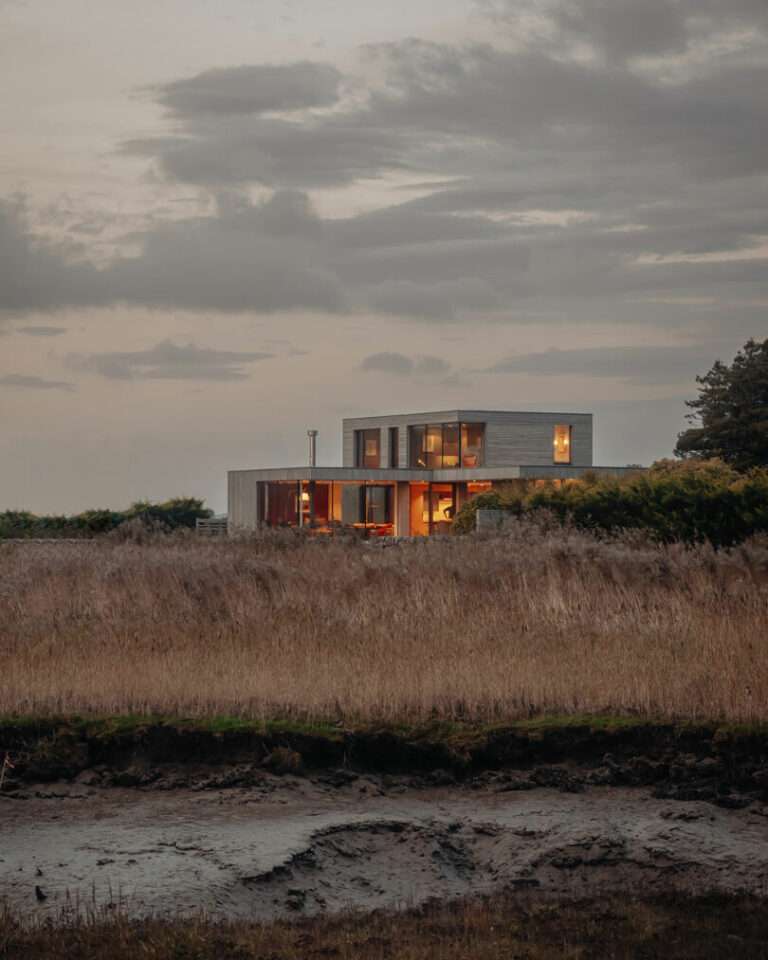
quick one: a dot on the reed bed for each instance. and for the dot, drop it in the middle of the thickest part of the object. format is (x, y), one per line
(540, 620)
(515, 925)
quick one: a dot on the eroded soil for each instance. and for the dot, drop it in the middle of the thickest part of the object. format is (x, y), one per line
(290, 845)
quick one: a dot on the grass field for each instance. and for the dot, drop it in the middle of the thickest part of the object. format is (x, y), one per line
(539, 621)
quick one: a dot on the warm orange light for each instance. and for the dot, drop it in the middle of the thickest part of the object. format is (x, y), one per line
(562, 443)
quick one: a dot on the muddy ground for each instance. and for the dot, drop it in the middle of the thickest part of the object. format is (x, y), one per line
(261, 822)
(298, 845)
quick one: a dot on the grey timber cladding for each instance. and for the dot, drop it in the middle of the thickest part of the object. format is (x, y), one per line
(241, 500)
(511, 438)
(526, 438)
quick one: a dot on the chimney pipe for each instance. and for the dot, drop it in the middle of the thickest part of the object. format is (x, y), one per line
(312, 434)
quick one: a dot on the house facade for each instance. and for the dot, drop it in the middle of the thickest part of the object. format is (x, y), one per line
(408, 474)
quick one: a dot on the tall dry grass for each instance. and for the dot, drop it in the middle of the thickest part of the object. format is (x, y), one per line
(537, 620)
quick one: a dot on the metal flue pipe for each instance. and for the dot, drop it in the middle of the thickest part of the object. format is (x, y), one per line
(312, 434)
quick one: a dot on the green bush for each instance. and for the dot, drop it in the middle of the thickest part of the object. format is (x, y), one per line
(690, 501)
(173, 514)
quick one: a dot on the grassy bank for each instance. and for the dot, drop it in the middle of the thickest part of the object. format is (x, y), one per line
(725, 764)
(485, 631)
(705, 928)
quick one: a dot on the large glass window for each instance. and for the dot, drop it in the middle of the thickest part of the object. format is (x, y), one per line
(451, 440)
(433, 507)
(562, 443)
(282, 503)
(366, 504)
(378, 504)
(435, 446)
(351, 503)
(321, 506)
(368, 448)
(472, 437)
(442, 507)
(417, 455)
(419, 497)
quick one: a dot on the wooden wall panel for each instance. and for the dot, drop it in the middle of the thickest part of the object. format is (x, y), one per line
(512, 438)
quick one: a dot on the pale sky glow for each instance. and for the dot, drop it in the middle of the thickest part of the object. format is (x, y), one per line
(213, 211)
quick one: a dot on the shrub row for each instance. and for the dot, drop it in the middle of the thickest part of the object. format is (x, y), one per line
(170, 515)
(689, 501)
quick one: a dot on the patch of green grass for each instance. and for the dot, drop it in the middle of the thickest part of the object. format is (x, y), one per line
(455, 735)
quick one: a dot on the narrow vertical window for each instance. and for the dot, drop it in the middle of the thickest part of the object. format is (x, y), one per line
(394, 447)
(562, 444)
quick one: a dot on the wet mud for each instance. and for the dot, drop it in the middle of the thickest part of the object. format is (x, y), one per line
(293, 845)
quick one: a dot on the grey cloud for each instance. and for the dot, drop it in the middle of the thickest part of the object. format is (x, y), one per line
(624, 29)
(404, 366)
(41, 331)
(444, 302)
(25, 382)
(637, 364)
(627, 28)
(262, 258)
(646, 168)
(265, 258)
(36, 275)
(488, 111)
(251, 89)
(169, 361)
(314, 152)
(532, 105)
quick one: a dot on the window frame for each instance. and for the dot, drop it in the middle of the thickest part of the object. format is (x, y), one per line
(434, 459)
(562, 456)
(361, 457)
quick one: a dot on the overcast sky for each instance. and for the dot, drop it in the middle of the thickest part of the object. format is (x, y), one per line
(225, 221)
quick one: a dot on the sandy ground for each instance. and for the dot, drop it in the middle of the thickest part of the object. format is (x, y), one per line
(306, 846)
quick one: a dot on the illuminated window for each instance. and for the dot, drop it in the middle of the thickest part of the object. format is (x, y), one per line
(472, 436)
(562, 444)
(451, 435)
(435, 446)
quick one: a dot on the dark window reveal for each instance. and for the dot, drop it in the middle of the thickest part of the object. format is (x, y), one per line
(368, 448)
(394, 447)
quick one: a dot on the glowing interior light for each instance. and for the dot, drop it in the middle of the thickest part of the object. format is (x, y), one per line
(562, 443)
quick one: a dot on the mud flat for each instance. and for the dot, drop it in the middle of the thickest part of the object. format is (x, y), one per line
(299, 846)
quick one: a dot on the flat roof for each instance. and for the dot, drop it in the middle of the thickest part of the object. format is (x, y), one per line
(440, 475)
(435, 413)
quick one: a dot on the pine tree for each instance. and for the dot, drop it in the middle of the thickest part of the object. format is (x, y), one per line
(731, 411)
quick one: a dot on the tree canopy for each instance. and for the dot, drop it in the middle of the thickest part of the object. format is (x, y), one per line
(731, 411)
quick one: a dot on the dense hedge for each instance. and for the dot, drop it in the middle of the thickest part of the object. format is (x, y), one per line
(688, 501)
(170, 515)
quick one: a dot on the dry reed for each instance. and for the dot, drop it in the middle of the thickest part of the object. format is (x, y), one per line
(460, 628)
(514, 925)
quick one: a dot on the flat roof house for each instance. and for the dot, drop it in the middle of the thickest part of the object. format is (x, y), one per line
(408, 474)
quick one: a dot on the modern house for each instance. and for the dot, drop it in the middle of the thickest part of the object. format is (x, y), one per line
(408, 474)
